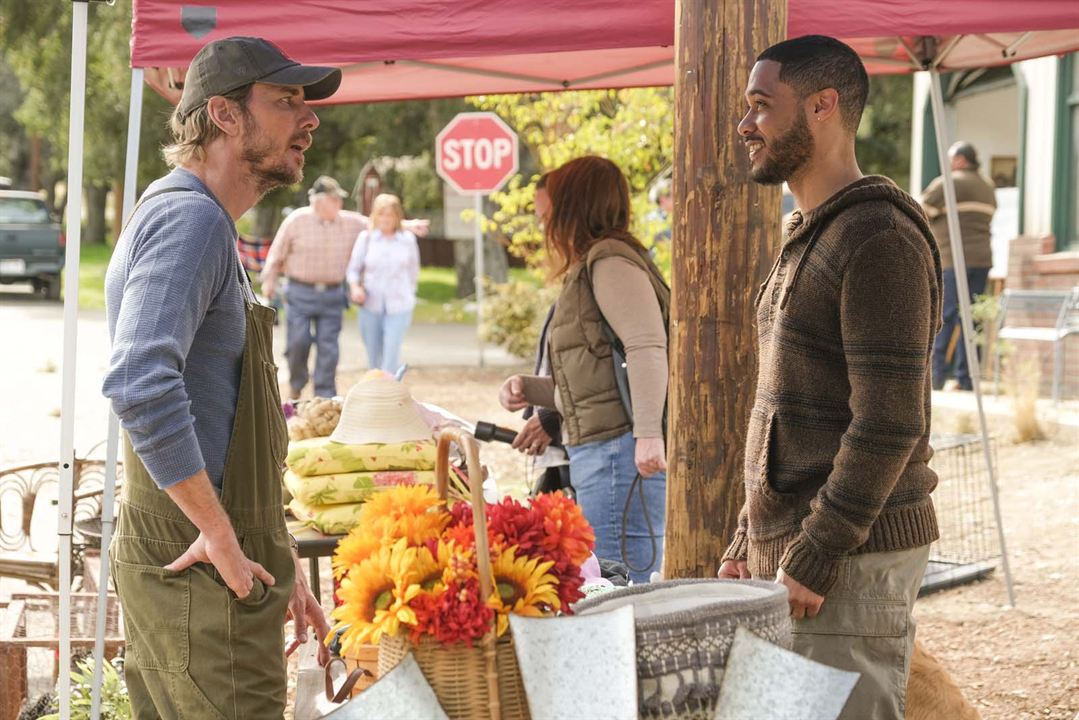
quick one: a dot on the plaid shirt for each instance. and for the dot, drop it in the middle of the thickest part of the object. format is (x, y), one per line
(312, 250)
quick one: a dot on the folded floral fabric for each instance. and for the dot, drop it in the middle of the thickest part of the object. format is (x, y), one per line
(350, 487)
(323, 456)
(327, 519)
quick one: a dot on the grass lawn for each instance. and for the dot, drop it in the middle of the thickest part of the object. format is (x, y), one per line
(436, 296)
(93, 262)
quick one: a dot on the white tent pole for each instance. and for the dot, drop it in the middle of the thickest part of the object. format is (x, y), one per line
(478, 265)
(134, 128)
(134, 120)
(963, 291)
(107, 502)
(71, 317)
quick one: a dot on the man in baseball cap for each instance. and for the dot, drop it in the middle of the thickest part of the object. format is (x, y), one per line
(202, 561)
(225, 65)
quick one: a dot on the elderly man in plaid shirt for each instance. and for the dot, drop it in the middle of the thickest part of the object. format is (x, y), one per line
(312, 249)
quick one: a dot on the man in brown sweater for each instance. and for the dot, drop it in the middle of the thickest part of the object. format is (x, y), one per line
(837, 481)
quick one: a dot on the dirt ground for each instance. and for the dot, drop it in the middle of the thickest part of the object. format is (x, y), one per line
(1012, 663)
(1023, 662)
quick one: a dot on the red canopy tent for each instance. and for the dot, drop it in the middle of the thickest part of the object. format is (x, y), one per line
(413, 49)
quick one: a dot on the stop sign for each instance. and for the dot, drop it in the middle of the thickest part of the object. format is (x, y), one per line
(476, 153)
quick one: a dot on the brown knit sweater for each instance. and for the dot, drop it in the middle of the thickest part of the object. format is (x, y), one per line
(838, 442)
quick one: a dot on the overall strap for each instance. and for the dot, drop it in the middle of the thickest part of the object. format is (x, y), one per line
(154, 194)
(241, 275)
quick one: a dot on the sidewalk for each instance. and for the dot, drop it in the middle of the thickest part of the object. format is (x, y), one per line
(31, 371)
(1060, 422)
(426, 345)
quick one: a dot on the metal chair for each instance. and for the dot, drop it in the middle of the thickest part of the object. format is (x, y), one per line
(1039, 308)
(26, 492)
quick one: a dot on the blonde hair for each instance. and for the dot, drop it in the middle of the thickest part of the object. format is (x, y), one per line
(192, 134)
(386, 201)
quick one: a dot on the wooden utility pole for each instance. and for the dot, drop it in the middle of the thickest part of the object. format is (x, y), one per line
(726, 230)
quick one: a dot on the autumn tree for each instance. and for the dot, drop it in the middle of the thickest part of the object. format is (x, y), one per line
(633, 128)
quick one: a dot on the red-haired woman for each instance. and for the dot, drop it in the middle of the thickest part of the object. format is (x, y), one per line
(617, 456)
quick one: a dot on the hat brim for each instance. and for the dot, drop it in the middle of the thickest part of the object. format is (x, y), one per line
(413, 429)
(318, 83)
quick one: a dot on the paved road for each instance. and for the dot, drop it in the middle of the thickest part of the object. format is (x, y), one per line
(31, 370)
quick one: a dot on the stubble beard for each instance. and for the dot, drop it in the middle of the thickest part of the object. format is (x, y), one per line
(787, 154)
(257, 148)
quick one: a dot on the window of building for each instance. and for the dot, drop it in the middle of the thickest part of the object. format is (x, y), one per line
(1066, 165)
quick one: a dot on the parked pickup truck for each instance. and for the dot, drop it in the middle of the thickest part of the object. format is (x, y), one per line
(31, 243)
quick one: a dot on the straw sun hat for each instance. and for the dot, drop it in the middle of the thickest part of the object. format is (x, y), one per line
(379, 410)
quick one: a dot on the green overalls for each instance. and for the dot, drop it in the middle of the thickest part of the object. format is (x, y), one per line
(194, 650)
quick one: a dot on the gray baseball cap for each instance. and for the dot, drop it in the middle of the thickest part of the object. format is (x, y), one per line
(226, 65)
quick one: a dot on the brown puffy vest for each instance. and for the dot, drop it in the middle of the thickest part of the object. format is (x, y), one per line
(581, 354)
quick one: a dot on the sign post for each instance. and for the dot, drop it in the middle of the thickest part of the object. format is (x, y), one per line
(476, 153)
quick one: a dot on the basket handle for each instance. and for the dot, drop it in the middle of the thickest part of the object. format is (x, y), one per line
(467, 443)
(346, 687)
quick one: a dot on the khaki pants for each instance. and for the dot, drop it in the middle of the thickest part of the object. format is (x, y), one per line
(865, 625)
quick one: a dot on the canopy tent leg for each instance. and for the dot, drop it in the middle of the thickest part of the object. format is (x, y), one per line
(943, 143)
(479, 272)
(71, 314)
(134, 122)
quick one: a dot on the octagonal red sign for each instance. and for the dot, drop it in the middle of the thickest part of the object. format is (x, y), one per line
(476, 153)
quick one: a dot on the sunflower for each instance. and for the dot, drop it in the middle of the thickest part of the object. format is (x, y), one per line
(353, 549)
(416, 529)
(375, 595)
(400, 500)
(522, 586)
(412, 512)
(427, 568)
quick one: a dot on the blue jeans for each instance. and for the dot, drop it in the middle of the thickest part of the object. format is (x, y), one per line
(383, 334)
(603, 473)
(314, 316)
(976, 280)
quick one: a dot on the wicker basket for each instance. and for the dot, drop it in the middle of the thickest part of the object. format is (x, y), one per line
(458, 675)
(684, 633)
(363, 657)
(482, 682)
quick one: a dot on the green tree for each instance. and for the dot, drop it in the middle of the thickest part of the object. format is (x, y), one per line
(884, 134)
(633, 128)
(37, 46)
(14, 145)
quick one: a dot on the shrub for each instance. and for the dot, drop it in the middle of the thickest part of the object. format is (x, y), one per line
(1025, 378)
(514, 315)
(115, 703)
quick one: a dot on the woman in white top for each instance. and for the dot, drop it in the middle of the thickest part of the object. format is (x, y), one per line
(382, 276)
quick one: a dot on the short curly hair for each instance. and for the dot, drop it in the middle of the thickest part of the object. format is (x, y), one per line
(813, 63)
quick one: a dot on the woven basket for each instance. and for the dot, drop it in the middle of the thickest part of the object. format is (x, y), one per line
(458, 675)
(684, 633)
(482, 682)
(364, 657)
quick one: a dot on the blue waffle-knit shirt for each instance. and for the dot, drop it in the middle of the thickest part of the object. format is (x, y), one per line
(175, 307)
